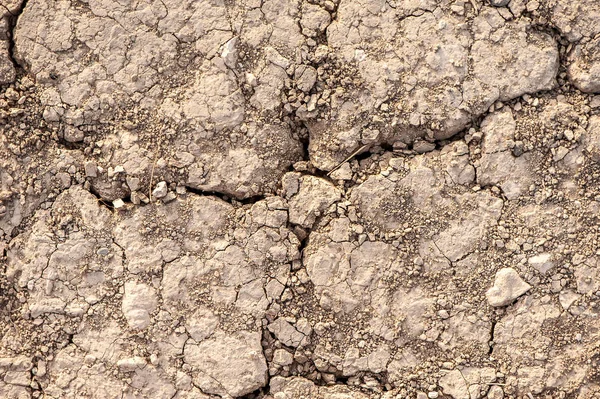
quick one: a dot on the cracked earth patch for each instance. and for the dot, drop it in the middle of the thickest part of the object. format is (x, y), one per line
(299, 199)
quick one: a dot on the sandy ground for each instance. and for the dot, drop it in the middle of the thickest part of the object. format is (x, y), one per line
(287, 199)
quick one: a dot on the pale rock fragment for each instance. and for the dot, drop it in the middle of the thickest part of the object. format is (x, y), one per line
(542, 262)
(340, 230)
(202, 323)
(287, 334)
(456, 158)
(586, 276)
(313, 198)
(464, 233)
(497, 165)
(314, 20)
(422, 146)
(382, 202)
(560, 153)
(344, 172)
(274, 289)
(591, 138)
(276, 58)
(578, 22)
(353, 362)
(118, 203)
(415, 308)
(73, 134)
(47, 305)
(131, 363)
(455, 385)
(567, 298)
(465, 329)
(404, 360)
(160, 191)
(531, 68)
(498, 130)
(245, 171)
(91, 170)
(508, 286)
(305, 77)
(139, 302)
(251, 298)
(229, 52)
(378, 360)
(270, 81)
(282, 357)
(529, 378)
(9, 391)
(228, 364)
(495, 392)
(584, 69)
(468, 382)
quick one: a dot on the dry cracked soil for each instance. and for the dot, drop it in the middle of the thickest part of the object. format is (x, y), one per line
(286, 199)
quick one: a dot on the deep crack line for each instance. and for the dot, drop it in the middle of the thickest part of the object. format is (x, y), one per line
(12, 25)
(226, 197)
(491, 342)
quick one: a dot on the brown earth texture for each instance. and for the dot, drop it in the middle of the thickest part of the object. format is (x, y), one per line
(287, 199)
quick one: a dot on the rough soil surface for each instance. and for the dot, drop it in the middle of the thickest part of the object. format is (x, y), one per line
(287, 199)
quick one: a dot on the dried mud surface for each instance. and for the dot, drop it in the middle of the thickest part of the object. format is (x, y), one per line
(291, 199)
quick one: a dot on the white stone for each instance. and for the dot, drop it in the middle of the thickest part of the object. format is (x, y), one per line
(160, 190)
(118, 203)
(507, 287)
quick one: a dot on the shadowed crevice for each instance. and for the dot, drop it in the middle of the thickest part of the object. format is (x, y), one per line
(12, 24)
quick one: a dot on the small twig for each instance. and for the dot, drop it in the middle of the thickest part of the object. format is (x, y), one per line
(358, 151)
(152, 177)
(104, 202)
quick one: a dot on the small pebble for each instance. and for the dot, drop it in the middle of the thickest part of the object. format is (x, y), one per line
(160, 190)
(103, 251)
(118, 203)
